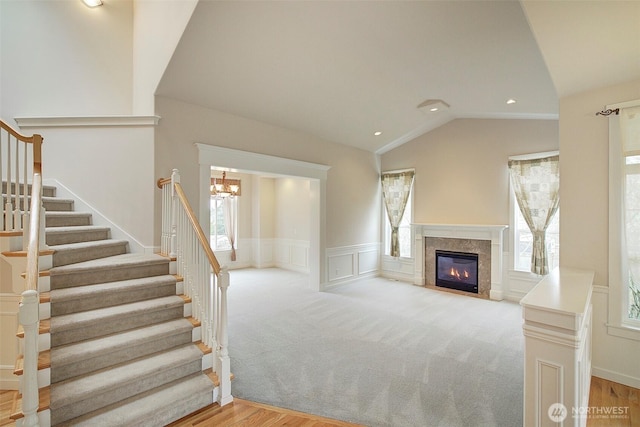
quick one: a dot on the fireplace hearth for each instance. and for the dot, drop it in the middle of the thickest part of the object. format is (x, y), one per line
(457, 270)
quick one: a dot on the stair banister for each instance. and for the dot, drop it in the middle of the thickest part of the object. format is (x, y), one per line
(15, 150)
(204, 280)
(20, 216)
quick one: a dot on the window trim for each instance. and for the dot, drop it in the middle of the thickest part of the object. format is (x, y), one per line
(619, 323)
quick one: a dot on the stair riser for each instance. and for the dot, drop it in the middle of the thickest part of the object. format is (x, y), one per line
(67, 257)
(123, 391)
(72, 237)
(61, 372)
(67, 220)
(58, 205)
(106, 275)
(47, 191)
(171, 413)
(104, 327)
(110, 299)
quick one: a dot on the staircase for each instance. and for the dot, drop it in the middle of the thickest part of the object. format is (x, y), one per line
(123, 348)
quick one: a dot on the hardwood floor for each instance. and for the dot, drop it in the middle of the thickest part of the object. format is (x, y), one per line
(244, 413)
(610, 403)
(613, 404)
(6, 401)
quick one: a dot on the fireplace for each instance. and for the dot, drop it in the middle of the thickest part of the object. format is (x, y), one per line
(457, 270)
(484, 240)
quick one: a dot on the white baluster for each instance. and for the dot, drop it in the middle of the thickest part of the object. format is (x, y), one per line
(2, 202)
(28, 316)
(8, 209)
(175, 179)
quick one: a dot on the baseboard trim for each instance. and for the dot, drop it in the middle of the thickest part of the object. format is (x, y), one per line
(337, 283)
(8, 381)
(615, 377)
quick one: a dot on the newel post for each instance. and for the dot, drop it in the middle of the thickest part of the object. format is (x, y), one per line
(175, 178)
(28, 317)
(223, 364)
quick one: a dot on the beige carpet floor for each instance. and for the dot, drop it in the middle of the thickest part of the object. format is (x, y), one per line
(376, 352)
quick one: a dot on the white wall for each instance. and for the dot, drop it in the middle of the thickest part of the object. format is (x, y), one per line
(584, 168)
(352, 195)
(462, 177)
(60, 58)
(110, 168)
(461, 168)
(157, 28)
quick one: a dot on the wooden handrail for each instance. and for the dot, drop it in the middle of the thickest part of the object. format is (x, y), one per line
(33, 249)
(163, 181)
(35, 139)
(20, 137)
(196, 227)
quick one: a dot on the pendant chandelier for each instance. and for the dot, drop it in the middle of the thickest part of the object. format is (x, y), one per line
(225, 187)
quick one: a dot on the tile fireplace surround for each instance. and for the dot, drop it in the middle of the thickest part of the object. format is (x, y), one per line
(462, 238)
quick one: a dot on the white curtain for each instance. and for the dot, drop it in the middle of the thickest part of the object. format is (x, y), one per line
(536, 183)
(230, 206)
(395, 191)
(630, 137)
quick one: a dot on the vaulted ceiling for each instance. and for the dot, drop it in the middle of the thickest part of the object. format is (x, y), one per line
(342, 70)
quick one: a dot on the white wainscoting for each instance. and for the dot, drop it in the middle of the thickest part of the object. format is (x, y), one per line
(347, 263)
(292, 254)
(245, 255)
(262, 250)
(398, 268)
(519, 284)
(8, 340)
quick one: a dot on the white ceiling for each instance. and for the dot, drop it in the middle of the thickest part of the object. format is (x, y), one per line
(341, 70)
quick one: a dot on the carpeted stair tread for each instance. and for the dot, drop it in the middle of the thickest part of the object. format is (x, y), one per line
(78, 396)
(67, 218)
(72, 253)
(108, 269)
(91, 297)
(156, 407)
(57, 204)
(74, 234)
(94, 323)
(114, 262)
(91, 355)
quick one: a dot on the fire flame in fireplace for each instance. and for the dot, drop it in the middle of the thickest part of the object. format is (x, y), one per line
(455, 273)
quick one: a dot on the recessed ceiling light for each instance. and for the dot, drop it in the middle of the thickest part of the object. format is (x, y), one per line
(434, 109)
(511, 101)
(92, 3)
(377, 133)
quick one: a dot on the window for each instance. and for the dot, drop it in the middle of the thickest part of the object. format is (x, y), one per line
(219, 239)
(404, 230)
(624, 219)
(524, 240)
(535, 179)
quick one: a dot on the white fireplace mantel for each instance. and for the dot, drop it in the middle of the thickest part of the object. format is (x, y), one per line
(493, 233)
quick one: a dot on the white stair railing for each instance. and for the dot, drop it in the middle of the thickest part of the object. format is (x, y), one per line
(204, 280)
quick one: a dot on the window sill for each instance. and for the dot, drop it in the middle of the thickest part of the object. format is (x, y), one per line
(624, 331)
(402, 258)
(525, 275)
